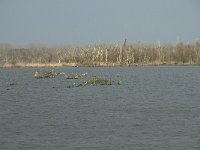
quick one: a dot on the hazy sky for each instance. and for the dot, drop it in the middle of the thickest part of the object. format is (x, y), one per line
(94, 21)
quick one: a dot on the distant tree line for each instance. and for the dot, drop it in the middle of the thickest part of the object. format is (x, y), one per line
(102, 54)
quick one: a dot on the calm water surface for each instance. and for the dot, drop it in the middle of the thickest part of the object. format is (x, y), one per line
(154, 108)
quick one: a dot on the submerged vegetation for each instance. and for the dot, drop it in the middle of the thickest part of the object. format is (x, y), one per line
(99, 55)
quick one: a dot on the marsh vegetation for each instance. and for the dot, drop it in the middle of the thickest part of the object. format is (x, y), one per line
(82, 79)
(36, 55)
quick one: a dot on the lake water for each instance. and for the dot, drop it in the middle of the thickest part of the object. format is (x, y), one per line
(154, 108)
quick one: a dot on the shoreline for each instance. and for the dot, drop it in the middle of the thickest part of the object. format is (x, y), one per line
(50, 65)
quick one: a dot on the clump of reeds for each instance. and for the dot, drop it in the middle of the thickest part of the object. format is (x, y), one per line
(75, 76)
(46, 74)
(95, 81)
(101, 81)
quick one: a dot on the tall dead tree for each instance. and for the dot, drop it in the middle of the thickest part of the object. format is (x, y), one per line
(123, 53)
